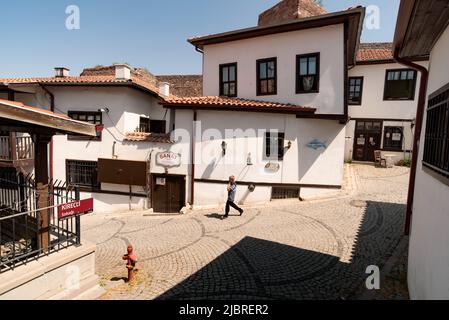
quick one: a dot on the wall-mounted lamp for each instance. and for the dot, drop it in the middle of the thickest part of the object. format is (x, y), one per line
(104, 110)
(224, 146)
(249, 161)
(289, 145)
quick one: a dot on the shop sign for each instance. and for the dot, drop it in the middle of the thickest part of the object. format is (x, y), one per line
(168, 159)
(75, 208)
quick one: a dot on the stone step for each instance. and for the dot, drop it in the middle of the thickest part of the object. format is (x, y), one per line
(91, 294)
(88, 290)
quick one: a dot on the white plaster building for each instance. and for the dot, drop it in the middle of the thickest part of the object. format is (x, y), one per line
(327, 101)
(382, 105)
(270, 78)
(136, 128)
(428, 270)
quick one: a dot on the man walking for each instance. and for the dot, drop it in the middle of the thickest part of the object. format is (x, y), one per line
(232, 189)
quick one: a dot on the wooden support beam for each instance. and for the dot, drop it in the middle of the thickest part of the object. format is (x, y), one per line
(11, 95)
(13, 145)
(41, 173)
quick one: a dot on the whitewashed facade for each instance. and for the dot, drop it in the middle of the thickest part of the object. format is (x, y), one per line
(428, 204)
(397, 115)
(429, 255)
(121, 108)
(313, 146)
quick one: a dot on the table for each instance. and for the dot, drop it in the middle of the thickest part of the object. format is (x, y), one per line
(389, 159)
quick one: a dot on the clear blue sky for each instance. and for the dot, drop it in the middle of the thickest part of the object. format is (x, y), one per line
(145, 33)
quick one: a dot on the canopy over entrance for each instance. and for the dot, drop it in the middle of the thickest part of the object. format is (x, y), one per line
(41, 125)
(16, 117)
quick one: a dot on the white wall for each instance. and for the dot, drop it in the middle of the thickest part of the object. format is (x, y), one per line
(126, 105)
(329, 41)
(375, 107)
(428, 273)
(373, 103)
(301, 165)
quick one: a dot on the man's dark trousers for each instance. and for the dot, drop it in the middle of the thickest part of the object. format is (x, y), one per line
(230, 204)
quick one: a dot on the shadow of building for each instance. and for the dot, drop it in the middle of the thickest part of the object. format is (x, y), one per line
(261, 269)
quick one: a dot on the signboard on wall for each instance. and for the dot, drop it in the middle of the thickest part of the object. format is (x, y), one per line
(272, 167)
(397, 137)
(361, 141)
(124, 172)
(168, 159)
(75, 208)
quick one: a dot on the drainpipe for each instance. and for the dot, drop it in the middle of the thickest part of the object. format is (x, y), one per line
(416, 139)
(52, 109)
(192, 165)
(195, 118)
(197, 49)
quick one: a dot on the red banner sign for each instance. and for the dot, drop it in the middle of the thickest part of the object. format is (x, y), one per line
(76, 208)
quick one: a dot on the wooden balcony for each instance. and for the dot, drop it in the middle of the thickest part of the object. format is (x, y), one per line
(17, 152)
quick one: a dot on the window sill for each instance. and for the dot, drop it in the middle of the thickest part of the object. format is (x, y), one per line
(392, 150)
(435, 174)
(89, 189)
(266, 94)
(399, 99)
(307, 92)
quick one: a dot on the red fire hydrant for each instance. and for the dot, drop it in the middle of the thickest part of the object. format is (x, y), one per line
(131, 262)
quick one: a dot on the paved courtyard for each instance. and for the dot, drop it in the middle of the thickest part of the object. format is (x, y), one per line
(285, 250)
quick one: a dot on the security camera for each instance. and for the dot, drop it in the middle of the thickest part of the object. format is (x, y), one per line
(104, 110)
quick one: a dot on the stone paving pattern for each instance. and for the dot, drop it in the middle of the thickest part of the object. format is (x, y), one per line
(285, 250)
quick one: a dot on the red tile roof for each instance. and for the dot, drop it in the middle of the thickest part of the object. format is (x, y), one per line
(235, 104)
(149, 137)
(369, 52)
(88, 80)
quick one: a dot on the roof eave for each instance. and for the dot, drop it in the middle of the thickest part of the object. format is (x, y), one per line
(13, 112)
(389, 61)
(305, 23)
(128, 84)
(223, 107)
(413, 17)
(404, 14)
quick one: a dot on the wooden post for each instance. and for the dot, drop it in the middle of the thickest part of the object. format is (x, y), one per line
(13, 146)
(41, 173)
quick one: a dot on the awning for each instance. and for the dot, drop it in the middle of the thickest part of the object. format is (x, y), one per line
(15, 116)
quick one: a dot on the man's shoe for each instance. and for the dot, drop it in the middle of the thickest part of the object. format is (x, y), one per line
(241, 212)
(224, 217)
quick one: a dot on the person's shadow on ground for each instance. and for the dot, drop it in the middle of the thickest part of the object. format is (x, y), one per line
(214, 216)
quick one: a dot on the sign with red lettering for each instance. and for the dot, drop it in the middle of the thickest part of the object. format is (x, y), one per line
(76, 208)
(168, 159)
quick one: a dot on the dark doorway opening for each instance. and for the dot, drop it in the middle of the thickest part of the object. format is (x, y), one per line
(367, 139)
(168, 193)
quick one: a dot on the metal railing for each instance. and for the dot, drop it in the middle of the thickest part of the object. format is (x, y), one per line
(19, 220)
(23, 149)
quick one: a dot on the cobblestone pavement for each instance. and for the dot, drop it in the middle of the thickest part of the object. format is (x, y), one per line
(285, 250)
